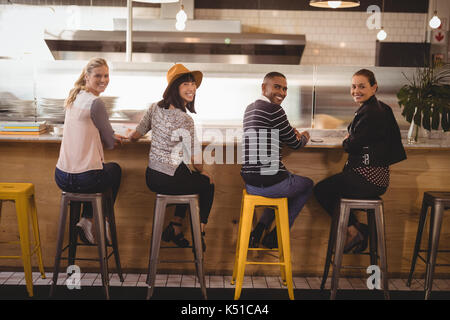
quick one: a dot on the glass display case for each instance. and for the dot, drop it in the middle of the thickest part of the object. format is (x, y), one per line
(318, 96)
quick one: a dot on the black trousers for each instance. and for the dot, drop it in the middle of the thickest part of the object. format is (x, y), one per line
(346, 184)
(183, 182)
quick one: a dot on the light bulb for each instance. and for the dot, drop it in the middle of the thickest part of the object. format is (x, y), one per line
(334, 4)
(180, 25)
(181, 15)
(381, 35)
(435, 22)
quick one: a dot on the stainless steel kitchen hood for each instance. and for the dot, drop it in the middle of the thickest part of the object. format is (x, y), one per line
(150, 46)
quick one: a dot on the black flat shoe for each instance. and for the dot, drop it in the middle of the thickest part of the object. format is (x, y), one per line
(169, 235)
(255, 236)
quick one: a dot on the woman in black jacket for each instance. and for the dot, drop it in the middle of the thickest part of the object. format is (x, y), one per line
(373, 143)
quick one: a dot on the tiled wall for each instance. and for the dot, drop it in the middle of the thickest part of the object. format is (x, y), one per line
(331, 37)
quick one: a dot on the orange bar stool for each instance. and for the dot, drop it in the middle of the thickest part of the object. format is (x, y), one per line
(23, 196)
(249, 203)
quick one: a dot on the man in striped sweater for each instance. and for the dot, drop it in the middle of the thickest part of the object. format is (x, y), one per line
(266, 130)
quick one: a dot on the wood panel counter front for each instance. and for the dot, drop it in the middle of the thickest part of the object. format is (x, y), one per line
(29, 161)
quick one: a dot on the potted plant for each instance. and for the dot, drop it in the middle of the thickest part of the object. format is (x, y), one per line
(426, 99)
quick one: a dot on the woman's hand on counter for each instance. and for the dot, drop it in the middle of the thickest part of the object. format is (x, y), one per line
(118, 140)
(133, 135)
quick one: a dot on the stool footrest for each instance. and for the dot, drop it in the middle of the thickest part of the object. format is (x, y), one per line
(266, 263)
(176, 261)
(353, 267)
(174, 247)
(10, 257)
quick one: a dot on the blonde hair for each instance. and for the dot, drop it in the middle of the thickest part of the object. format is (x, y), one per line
(81, 81)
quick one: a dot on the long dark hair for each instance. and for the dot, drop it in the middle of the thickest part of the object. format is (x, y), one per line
(172, 95)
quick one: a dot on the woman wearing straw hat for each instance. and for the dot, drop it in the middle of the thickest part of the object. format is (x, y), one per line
(172, 150)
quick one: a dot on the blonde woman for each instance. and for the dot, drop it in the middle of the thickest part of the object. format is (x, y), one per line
(80, 167)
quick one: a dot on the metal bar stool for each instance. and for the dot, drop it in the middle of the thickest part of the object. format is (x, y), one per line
(102, 205)
(336, 242)
(438, 201)
(161, 202)
(249, 203)
(22, 194)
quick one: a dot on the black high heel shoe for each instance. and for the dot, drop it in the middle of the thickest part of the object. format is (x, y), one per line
(203, 241)
(169, 235)
(359, 243)
(364, 230)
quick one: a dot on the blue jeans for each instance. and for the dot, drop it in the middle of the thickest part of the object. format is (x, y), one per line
(92, 181)
(296, 188)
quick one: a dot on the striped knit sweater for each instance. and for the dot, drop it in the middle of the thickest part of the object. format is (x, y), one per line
(266, 129)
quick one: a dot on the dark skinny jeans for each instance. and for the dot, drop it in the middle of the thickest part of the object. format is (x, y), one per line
(93, 181)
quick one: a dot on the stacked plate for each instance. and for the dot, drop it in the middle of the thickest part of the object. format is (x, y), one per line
(52, 109)
(110, 103)
(12, 107)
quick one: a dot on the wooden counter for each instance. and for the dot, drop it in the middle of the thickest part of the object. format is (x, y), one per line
(28, 161)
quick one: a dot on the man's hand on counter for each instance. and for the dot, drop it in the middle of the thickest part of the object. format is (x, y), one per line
(299, 135)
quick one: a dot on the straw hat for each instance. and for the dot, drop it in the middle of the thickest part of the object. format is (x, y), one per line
(177, 71)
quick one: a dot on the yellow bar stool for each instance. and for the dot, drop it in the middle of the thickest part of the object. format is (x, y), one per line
(249, 203)
(23, 196)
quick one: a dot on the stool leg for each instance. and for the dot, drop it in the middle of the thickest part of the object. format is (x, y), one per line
(344, 214)
(280, 245)
(59, 243)
(422, 219)
(233, 278)
(37, 238)
(437, 222)
(244, 238)
(75, 208)
(379, 217)
(373, 248)
(22, 209)
(284, 244)
(158, 220)
(197, 243)
(101, 243)
(331, 243)
(112, 225)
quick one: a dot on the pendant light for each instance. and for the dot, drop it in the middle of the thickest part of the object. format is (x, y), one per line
(334, 4)
(382, 35)
(181, 17)
(435, 22)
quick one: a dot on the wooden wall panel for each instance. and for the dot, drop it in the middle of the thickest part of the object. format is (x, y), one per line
(34, 162)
